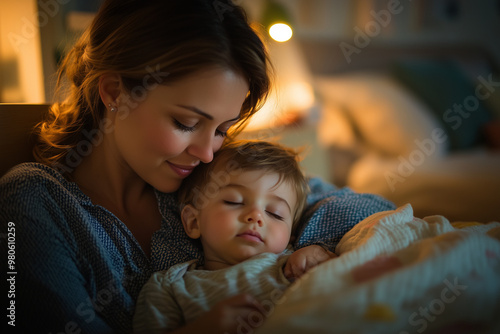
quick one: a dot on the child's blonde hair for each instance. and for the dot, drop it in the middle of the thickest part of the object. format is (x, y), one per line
(245, 155)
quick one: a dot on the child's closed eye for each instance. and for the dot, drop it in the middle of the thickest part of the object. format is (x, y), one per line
(232, 202)
(275, 215)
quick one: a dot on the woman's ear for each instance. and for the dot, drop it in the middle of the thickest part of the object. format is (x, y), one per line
(110, 89)
(189, 216)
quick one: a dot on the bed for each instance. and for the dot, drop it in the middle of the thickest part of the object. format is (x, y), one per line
(414, 125)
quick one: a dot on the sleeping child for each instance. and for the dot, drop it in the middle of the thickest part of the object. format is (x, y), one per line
(243, 208)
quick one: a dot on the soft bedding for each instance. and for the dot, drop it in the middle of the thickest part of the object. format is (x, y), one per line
(384, 139)
(399, 274)
(464, 186)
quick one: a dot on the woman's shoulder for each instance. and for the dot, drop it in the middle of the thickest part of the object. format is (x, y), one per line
(29, 171)
(32, 181)
(31, 177)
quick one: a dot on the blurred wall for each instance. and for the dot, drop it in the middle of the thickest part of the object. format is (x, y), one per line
(353, 25)
(21, 70)
(34, 34)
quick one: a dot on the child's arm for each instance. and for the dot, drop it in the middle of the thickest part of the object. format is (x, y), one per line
(228, 316)
(157, 311)
(304, 259)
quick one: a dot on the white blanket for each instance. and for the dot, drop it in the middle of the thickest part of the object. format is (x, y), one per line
(398, 274)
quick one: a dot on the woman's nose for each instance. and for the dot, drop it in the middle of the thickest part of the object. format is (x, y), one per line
(202, 148)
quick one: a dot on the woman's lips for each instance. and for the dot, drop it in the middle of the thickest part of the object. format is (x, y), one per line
(181, 170)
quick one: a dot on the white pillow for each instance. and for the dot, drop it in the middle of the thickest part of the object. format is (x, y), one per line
(389, 118)
(334, 127)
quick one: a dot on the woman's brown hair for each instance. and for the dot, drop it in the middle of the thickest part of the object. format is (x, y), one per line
(147, 43)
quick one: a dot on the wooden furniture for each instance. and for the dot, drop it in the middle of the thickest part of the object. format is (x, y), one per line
(16, 127)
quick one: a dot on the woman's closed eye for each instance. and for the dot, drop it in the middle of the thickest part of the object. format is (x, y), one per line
(186, 128)
(220, 133)
(183, 127)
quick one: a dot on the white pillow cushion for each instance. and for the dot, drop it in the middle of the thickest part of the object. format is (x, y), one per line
(389, 118)
(335, 128)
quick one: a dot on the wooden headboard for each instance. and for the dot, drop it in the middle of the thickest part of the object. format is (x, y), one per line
(16, 127)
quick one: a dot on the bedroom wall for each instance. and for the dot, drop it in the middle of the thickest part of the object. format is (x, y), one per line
(21, 72)
(356, 25)
(414, 23)
(33, 37)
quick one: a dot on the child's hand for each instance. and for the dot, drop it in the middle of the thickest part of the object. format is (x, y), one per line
(227, 316)
(304, 259)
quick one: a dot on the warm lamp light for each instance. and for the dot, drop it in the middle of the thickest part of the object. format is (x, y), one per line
(280, 32)
(276, 20)
(292, 100)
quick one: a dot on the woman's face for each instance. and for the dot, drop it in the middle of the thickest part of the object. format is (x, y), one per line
(178, 125)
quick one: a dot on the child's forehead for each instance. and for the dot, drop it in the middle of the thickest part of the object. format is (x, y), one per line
(271, 180)
(251, 175)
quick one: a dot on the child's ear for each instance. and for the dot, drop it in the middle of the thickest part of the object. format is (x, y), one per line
(189, 216)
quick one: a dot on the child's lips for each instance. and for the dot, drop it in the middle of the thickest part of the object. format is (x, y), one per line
(251, 236)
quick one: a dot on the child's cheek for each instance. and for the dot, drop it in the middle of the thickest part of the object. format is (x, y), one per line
(280, 242)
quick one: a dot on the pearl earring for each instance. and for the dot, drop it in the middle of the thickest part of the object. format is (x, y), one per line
(112, 109)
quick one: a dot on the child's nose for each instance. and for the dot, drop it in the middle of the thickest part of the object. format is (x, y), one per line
(254, 216)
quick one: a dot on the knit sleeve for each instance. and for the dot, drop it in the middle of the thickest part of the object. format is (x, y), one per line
(50, 292)
(331, 212)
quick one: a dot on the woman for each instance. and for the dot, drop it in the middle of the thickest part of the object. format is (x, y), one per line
(153, 87)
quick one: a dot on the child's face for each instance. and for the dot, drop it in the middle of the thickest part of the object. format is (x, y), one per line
(248, 215)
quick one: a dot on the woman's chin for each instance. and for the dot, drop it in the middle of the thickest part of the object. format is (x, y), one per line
(167, 186)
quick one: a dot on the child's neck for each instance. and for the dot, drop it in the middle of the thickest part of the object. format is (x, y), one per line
(215, 265)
